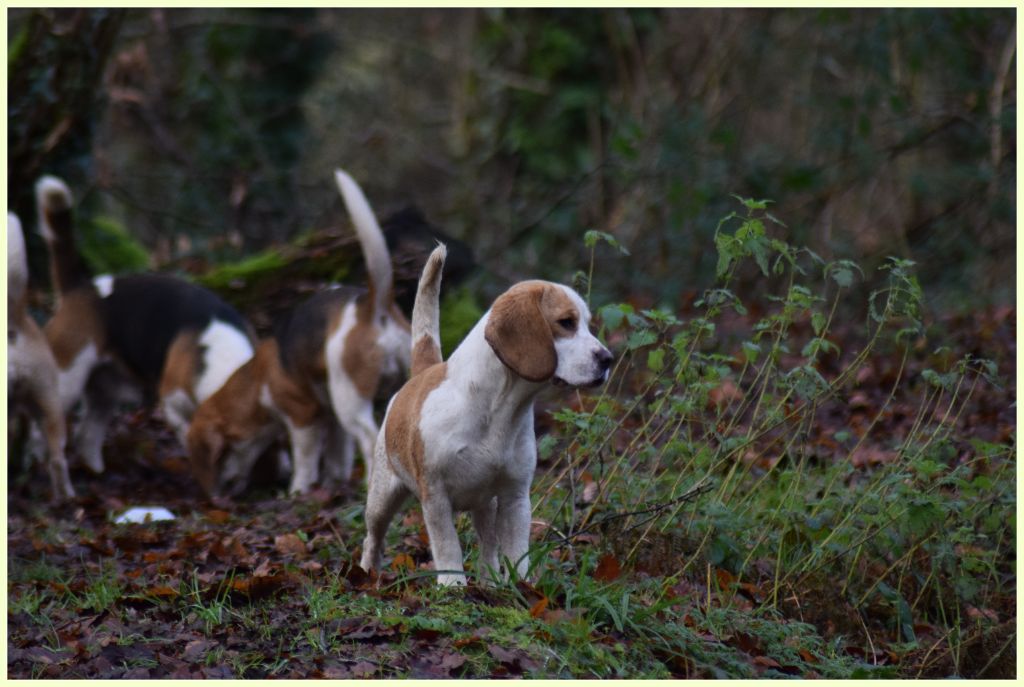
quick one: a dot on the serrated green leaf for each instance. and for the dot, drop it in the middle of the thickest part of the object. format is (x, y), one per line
(640, 338)
(751, 350)
(612, 315)
(843, 277)
(818, 322)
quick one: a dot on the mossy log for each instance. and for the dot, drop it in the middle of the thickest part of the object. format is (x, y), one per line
(265, 285)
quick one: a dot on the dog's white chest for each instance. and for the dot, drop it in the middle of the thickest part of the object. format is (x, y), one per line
(478, 455)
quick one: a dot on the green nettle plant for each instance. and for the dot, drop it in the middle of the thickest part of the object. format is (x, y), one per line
(718, 449)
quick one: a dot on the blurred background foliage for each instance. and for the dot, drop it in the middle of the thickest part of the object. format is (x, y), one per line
(213, 133)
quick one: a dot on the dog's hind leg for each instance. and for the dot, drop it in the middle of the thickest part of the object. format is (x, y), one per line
(339, 454)
(54, 430)
(307, 443)
(45, 395)
(384, 497)
(355, 415)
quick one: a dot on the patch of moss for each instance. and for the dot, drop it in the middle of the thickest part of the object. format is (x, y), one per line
(459, 312)
(108, 248)
(244, 270)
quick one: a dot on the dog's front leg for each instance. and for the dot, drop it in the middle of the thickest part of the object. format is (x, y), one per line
(106, 389)
(484, 517)
(99, 409)
(178, 408)
(513, 525)
(444, 540)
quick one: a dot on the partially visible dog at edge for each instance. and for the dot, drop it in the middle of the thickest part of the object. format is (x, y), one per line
(131, 339)
(31, 369)
(316, 377)
(459, 435)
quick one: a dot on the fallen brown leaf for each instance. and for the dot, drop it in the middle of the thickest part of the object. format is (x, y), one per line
(403, 561)
(608, 568)
(217, 516)
(767, 662)
(290, 545)
(808, 656)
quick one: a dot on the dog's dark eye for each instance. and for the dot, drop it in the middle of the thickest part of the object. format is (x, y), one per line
(568, 322)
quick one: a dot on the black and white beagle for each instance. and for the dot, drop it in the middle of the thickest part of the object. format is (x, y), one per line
(136, 338)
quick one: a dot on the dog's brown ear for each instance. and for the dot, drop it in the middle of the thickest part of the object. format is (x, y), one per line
(520, 335)
(205, 446)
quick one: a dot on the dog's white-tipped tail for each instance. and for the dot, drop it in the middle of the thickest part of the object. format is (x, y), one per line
(375, 249)
(56, 224)
(53, 199)
(426, 314)
(17, 264)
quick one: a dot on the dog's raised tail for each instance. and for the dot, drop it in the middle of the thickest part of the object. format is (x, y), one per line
(426, 314)
(56, 224)
(17, 265)
(375, 249)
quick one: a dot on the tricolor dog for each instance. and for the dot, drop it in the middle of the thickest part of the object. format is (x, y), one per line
(316, 377)
(459, 434)
(131, 338)
(31, 369)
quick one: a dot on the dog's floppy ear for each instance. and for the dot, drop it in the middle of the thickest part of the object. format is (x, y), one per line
(521, 336)
(205, 446)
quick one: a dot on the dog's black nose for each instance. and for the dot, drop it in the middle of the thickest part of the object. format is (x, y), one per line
(604, 358)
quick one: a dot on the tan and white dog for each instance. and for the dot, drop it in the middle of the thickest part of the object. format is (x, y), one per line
(130, 339)
(31, 368)
(459, 435)
(316, 377)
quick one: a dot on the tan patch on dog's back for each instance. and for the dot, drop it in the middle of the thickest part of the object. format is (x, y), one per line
(402, 438)
(182, 365)
(293, 397)
(425, 354)
(362, 359)
(75, 325)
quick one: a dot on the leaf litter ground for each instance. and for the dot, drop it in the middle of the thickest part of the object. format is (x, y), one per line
(266, 586)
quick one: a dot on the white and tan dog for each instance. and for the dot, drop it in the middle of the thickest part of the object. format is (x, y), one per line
(316, 377)
(31, 368)
(459, 434)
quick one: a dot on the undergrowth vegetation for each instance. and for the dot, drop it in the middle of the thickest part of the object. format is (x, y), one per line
(744, 453)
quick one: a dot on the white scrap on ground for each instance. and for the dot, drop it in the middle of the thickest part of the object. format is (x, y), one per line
(143, 514)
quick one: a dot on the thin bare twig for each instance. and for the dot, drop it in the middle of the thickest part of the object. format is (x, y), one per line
(654, 511)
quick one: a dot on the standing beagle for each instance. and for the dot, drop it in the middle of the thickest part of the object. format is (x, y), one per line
(31, 369)
(132, 338)
(317, 376)
(459, 434)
